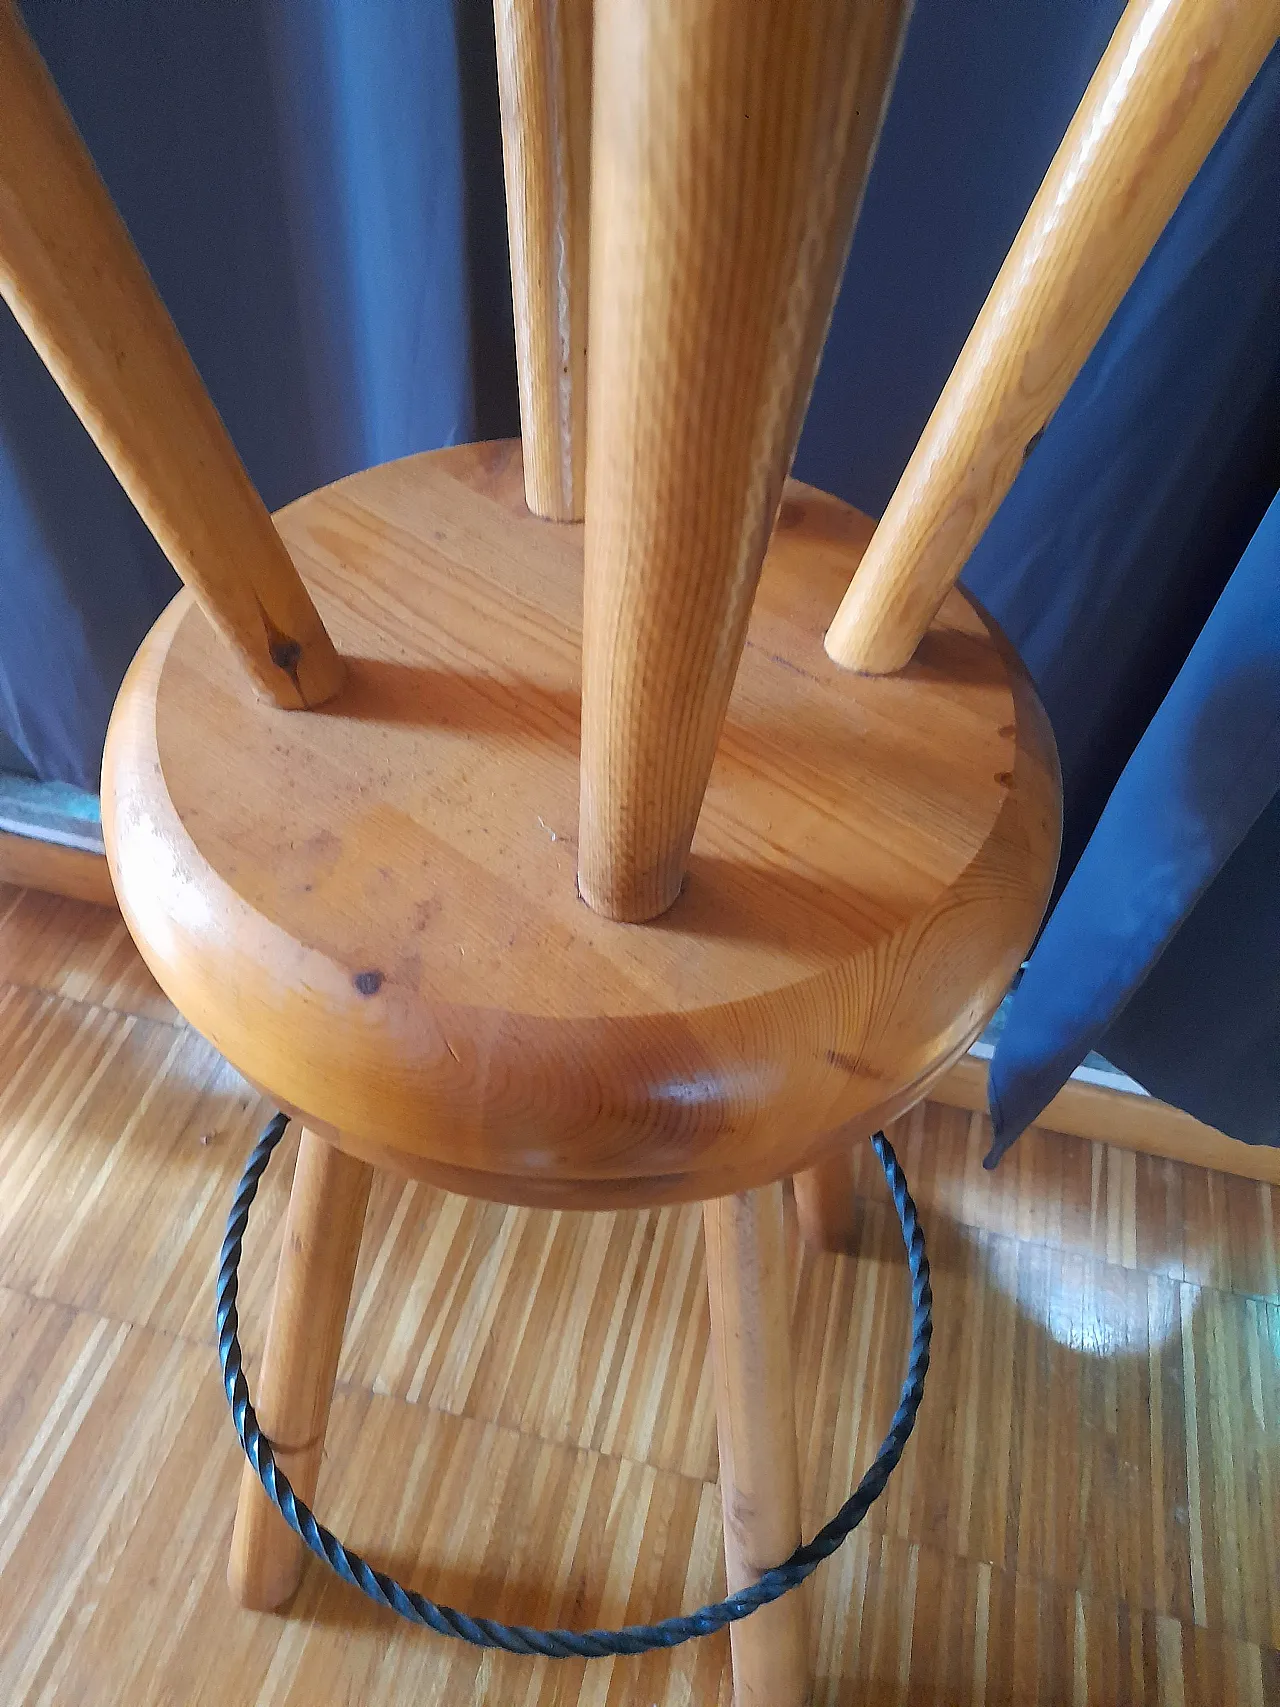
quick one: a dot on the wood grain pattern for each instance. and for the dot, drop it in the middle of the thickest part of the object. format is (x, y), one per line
(544, 79)
(524, 1420)
(97, 963)
(327, 1203)
(1167, 84)
(74, 872)
(730, 145)
(82, 295)
(373, 912)
(750, 1312)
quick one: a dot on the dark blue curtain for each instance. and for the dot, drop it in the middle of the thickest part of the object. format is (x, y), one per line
(1136, 566)
(316, 186)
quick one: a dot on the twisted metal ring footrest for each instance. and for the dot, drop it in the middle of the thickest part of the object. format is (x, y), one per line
(565, 1644)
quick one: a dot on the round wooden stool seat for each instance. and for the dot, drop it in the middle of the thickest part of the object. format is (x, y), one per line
(371, 909)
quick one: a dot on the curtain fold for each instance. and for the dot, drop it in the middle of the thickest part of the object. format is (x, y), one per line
(316, 186)
(1136, 567)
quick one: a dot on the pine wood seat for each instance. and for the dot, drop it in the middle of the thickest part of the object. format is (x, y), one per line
(372, 910)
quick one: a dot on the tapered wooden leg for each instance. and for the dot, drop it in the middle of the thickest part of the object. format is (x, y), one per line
(313, 1287)
(729, 148)
(1165, 88)
(825, 1203)
(755, 1415)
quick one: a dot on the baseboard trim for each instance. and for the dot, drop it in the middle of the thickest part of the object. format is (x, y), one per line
(1122, 1117)
(73, 872)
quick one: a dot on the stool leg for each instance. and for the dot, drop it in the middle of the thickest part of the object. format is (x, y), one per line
(755, 1414)
(313, 1287)
(824, 1203)
(79, 290)
(729, 147)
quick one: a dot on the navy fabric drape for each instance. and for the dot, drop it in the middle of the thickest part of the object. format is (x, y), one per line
(1133, 568)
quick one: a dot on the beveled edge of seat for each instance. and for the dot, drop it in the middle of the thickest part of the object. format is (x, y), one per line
(565, 1191)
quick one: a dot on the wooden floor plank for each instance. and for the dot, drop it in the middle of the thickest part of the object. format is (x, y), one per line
(75, 949)
(1089, 1511)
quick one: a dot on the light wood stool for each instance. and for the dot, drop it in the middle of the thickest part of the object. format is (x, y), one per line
(589, 879)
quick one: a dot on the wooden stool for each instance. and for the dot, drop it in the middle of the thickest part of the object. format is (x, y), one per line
(372, 912)
(593, 881)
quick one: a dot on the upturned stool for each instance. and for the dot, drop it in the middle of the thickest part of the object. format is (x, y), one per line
(561, 865)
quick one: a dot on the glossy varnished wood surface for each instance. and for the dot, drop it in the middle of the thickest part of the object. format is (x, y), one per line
(373, 912)
(524, 1419)
(1113, 1117)
(729, 145)
(80, 292)
(544, 78)
(1124, 1118)
(1169, 81)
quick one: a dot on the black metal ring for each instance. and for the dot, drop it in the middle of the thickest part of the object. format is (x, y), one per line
(565, 1644)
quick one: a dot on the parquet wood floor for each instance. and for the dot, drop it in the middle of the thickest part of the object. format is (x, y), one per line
(1089, 1512)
